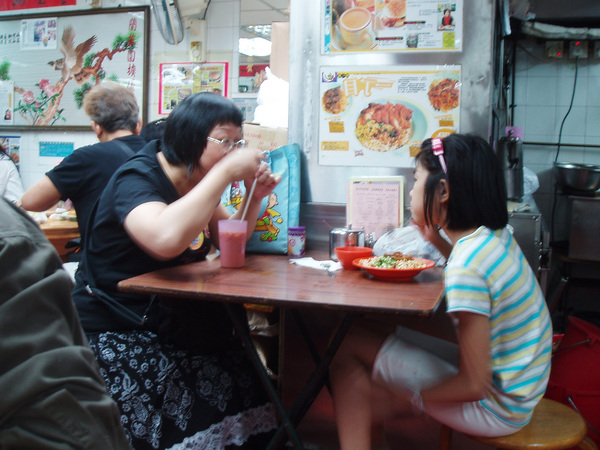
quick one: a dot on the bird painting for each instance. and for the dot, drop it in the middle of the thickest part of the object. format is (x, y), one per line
(72, 61)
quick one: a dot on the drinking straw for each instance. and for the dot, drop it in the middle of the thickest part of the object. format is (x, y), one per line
(249, 198)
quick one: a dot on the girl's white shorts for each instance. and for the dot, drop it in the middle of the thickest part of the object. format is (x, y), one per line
(412, 361)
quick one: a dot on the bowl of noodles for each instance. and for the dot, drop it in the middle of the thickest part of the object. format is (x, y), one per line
(393, 267)
(386, 125)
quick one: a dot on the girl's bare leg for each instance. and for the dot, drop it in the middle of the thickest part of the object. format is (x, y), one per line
(360, 405)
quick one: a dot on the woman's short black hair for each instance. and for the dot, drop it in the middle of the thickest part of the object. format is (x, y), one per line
(190, 123)
(475, 179)
(153, 130)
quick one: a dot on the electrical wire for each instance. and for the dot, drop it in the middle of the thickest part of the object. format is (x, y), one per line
(206, 10)
(558, 149)
(570, 107)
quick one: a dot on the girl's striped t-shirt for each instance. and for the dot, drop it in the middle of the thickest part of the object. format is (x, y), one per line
(488, 274)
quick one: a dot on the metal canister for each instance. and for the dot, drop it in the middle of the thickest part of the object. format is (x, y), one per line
(510, 152)
(345, 237)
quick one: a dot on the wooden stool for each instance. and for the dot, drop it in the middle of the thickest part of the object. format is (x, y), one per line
(553, 426)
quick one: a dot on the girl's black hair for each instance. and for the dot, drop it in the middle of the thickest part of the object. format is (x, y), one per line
(475, 179)
(190, 123)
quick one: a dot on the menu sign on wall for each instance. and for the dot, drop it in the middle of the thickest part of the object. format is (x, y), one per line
(392, 25)
(379, 116)
(180, 80)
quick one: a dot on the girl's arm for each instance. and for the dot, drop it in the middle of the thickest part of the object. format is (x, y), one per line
(432, 234)
(474, 377)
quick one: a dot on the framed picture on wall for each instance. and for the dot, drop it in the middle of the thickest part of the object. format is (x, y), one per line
(49, 61)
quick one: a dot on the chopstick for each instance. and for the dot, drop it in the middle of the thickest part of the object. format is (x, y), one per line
(249, 198)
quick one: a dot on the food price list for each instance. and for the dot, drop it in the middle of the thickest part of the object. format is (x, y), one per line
(379, 116)
(392, 25)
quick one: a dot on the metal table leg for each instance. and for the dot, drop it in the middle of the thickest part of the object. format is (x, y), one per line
(308, 341)
(244, 334)
(318, 378)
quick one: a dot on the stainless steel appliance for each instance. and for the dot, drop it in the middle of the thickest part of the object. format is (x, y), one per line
(510, 152)
(584, 222)
(533, 237)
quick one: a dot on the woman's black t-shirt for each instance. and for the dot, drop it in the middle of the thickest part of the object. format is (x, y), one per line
(112, 256)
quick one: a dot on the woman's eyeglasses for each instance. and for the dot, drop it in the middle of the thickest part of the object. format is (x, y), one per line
(228, 144)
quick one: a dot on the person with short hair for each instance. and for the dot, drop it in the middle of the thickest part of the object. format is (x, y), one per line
(189, 382)
(153, 130)
(82, 176)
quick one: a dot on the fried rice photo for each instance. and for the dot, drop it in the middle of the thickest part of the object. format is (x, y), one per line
(334, 100)
(443, 94)
(384, 127)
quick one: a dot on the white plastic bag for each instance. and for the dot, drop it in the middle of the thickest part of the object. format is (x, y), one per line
(273, 100)
(531, 183)
(410, 241)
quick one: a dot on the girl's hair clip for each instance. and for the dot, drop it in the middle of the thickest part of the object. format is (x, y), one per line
(438, 150)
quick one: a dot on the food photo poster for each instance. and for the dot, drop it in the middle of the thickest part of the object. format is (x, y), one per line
(380, 116)
(392, 25)
(180, 80)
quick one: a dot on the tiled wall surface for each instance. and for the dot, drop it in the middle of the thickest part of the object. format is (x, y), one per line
(222, 34)
(543, 91)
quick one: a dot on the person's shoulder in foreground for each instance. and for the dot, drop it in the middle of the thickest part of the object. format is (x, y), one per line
(53, 395)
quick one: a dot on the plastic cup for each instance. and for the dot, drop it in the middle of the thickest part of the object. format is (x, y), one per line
(232, 242)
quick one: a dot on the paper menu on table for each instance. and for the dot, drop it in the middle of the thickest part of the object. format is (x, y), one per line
(375, 203)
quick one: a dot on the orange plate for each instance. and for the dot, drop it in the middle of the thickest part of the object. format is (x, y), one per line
(392, 274)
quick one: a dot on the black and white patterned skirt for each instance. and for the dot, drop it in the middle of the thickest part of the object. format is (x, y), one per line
(170, 398)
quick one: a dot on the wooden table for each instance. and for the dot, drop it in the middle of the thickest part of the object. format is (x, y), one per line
(272, 280)
(59, 232)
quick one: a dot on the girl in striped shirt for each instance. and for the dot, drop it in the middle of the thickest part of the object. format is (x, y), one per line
(488, 383)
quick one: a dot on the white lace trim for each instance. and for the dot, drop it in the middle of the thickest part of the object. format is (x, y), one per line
(233, 430)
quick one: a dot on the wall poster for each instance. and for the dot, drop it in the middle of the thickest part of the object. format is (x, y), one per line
(49, 61)
(378, 116)
(11, 145)
(179, 80)
(392, 25)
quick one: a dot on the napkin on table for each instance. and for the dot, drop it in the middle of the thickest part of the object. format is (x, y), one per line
(314, 264)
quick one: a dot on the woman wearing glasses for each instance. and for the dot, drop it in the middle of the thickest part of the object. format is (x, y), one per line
(174, 368)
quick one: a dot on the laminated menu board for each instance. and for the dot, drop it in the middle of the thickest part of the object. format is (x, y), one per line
(180, 80)
(375, 203)
(379, 116)
(392, 25)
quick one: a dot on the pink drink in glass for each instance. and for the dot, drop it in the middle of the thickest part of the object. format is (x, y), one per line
(232, 242)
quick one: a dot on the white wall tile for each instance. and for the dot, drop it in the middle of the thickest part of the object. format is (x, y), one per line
(222, 13)
(593, 88)
(592, 127)
(574, 122)
(540, 120)
(564, 91)
(541, 91)
(592, 156)
(538, 67)
(566, 68)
